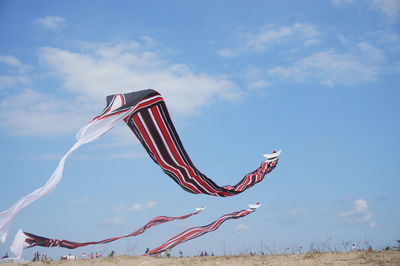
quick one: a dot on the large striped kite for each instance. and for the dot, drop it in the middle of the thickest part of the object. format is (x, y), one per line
(195, 232)
(147, 115)
(27, 240)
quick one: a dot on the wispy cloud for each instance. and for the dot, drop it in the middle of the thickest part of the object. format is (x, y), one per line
(138, 207)
(15, 73)
(96, 70)
(258, 84)
(115, 221)
(10, 61)
(268, 36)
(30, 112)
(52, 22)
(10, 81)
(372, 224)
(331, 68)
(389, 8)
(242, 228)
(271, 35)
(359, 213)
(254, 78)
(110, 68)
(345, 61)
(293, 215)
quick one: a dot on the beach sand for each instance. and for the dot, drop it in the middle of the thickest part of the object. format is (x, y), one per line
(327, 258)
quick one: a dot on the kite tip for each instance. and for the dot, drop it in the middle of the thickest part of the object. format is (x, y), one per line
(201, 209)
(254, 206)
(272, 156)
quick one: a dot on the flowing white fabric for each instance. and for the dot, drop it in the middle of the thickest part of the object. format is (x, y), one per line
(92, 131)
(17, 246)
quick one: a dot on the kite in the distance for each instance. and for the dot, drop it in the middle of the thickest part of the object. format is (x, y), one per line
(195, 232)
(27, 240)
(146, 113)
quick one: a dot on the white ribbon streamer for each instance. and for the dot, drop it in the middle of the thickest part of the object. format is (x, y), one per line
(91, 132)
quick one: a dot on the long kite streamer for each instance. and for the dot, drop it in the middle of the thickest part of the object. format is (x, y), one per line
(146, 113)
(28, 240)
(195, 232)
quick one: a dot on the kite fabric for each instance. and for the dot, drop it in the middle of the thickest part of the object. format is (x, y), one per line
(195, 232)
(28, 240)
(146, 113)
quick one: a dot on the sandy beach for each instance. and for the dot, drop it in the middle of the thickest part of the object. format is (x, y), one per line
(328, 258)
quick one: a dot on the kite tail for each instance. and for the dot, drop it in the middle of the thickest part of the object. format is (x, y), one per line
(195, 232)
(153, 126)
(28, 240)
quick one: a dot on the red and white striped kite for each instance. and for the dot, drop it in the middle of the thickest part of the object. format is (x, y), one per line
(195, 232)
(146, 113)
(27, 240)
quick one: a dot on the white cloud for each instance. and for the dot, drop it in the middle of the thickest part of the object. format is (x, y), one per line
(258, 84)
(372, 53)
(271, 35)
(389, 8)
(373, 224)
(331, 68)
(260, 41)
(360, 213)
(16, 72)
(305, 30)
(52, 22)
(137, 207)
(115, 221)
(241, 228)
(389, 38)
(125, 67)
(228, 52)
(311, 42)
(98, 70)
(254, 78)
(12, 81)
(33, 113)
(293, 216)
(10, 61)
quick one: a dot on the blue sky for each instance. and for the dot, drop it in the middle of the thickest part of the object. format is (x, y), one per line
(317, 79)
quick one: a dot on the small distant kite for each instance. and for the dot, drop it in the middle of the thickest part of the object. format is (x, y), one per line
(146, 113)
(195, 232)
(27, 240)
